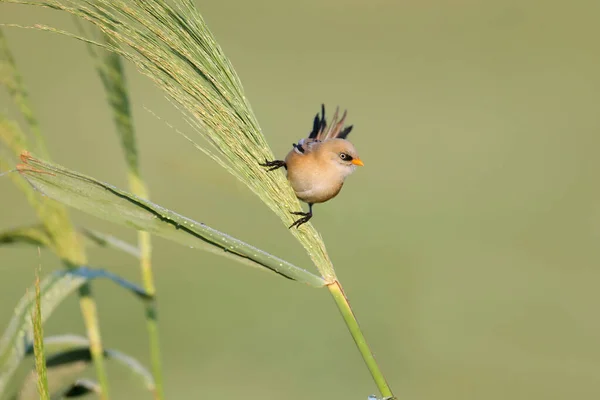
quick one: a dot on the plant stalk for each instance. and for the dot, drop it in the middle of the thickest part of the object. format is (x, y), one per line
(145, 245)
(70, 249)
(90, 317)
(343, 305)
(38, 340)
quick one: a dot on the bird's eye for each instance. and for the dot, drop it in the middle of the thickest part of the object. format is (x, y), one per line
(345, 157)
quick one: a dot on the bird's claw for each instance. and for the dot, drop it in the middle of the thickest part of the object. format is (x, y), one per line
(272, 165)
(306, 216)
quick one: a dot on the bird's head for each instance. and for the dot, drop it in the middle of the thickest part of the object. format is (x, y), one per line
(341, 154)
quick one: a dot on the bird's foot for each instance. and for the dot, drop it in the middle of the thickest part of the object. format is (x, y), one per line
(273, 165)
(306, 216)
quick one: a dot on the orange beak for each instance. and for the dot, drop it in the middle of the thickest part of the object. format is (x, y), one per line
(357, 161)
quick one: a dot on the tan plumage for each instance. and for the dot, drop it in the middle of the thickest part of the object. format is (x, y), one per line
(318, 165)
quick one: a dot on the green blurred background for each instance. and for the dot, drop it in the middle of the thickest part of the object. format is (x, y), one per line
(468, 244)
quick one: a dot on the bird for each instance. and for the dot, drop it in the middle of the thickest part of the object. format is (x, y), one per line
(318, 165)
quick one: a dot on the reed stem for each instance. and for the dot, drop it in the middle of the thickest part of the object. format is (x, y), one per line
(90, 317)
(145, 245)
(343, 305)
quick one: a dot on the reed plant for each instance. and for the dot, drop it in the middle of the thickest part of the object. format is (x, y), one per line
(170, 43)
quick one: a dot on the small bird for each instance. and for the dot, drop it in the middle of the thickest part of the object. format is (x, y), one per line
(318, 165)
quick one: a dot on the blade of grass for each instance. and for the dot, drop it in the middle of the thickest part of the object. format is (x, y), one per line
(80, 388)
(38, 236)
(64, 344)
(104, 240)
(54, 289)
(38, 346)
(69, 357)
(107, 202)
(34, 235)
(62, 372)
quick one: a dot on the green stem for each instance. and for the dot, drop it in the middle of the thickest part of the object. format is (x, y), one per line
(151, 314)
(341, 301)
(38, 348)
(70, 249)
(155, 358)
(90, 317)
(145, 245)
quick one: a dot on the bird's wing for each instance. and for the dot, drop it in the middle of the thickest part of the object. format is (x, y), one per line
(322, 131)
(305, 145)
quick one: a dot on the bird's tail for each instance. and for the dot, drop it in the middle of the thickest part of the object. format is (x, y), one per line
(322, 131)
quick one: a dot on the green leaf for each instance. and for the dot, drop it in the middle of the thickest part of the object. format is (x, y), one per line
(36, 235)
(70, 357)
(54, 289)
(133, 365)
(92, 273)
(107, 202)
(64, 366)
(80, 388)
(109, 241)
(73, 348)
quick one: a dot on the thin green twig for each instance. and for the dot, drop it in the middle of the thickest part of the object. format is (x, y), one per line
(350, 319)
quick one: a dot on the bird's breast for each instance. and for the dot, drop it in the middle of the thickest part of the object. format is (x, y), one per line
(314, 185)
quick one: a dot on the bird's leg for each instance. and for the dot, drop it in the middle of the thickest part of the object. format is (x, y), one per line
(306, 216)
(273, 165)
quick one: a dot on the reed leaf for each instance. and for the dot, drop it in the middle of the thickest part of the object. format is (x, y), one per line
(36, 235)
(80, 388)
(69, 358)
(54, 289)
(104, 240)
(110, 203)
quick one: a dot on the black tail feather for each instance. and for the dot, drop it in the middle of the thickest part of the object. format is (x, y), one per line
(320, 129)
(316, 126)
(345, 132)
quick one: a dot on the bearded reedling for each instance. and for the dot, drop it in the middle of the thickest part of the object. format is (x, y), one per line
(318, 165)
